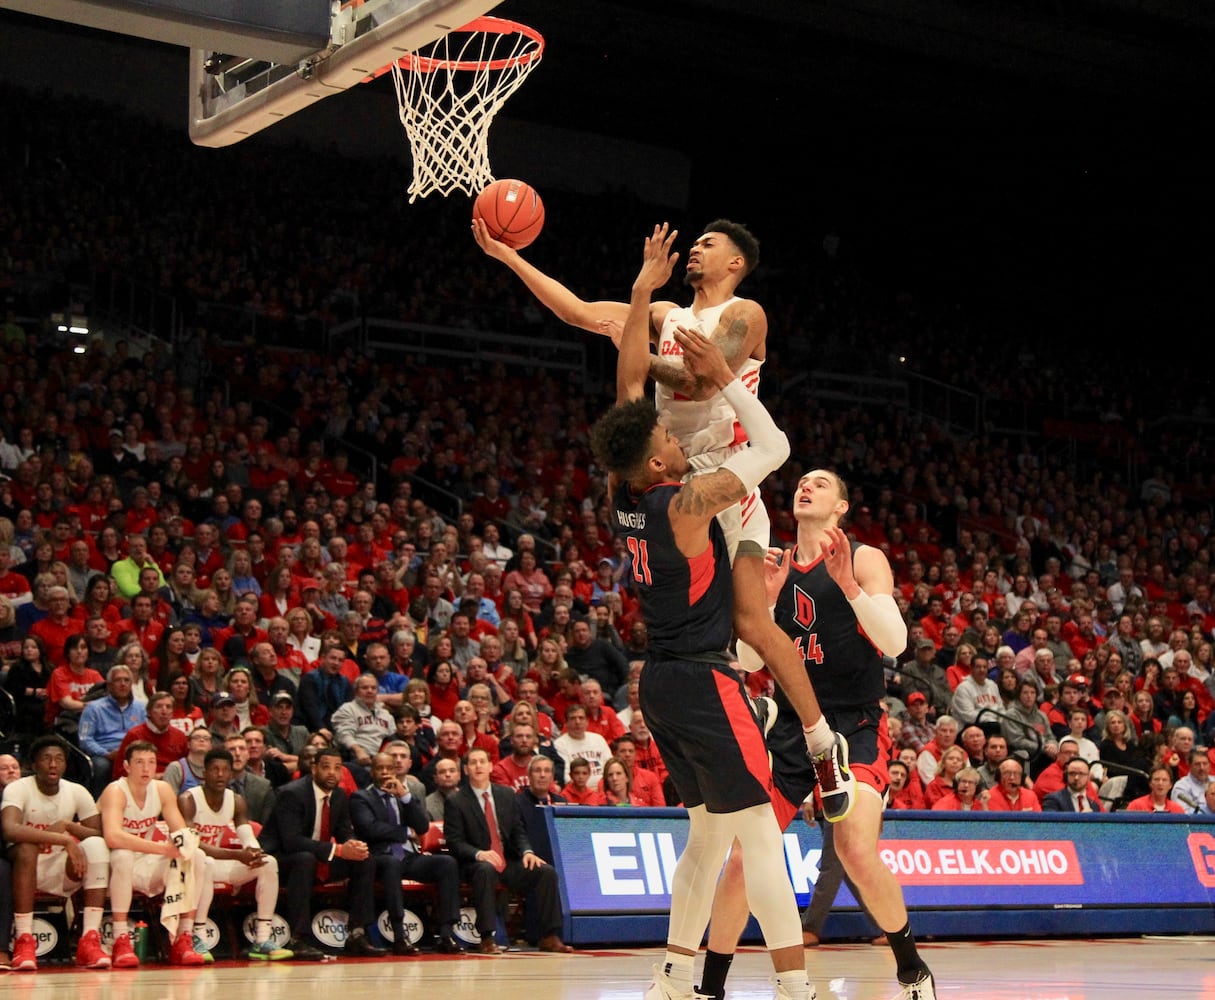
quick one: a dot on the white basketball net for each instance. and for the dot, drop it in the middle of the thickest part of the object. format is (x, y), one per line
(449, 93)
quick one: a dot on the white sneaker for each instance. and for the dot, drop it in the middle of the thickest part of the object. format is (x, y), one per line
(922, 989)
(663, 989)
(782, 991)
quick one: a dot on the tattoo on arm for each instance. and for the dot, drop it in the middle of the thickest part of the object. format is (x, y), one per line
(676, 377)
(730, 336)
(704, 496)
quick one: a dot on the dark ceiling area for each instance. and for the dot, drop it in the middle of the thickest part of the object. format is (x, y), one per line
(637, 68)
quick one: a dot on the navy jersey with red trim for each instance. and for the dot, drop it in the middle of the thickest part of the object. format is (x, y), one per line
(844, 666)
(687, 603)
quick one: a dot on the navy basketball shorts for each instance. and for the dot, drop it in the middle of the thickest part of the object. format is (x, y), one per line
(869, 749)
(708, 734)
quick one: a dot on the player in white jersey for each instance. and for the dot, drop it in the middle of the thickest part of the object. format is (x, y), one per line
(706, 426)
(216, 812)
(131, 808)
(52, 835)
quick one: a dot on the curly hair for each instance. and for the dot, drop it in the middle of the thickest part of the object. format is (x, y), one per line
(741, 237)
(620, 438)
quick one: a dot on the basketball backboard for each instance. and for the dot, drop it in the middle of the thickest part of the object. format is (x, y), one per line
(282, 30)
(254, 62)
(234, 95)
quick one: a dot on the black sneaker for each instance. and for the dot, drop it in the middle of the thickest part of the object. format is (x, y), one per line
(836, 785)
(765, 709)
(302, 951)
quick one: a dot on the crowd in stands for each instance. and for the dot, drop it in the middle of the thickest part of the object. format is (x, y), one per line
(191, 579)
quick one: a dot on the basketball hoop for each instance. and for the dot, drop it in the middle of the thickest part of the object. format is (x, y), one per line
(449, 92)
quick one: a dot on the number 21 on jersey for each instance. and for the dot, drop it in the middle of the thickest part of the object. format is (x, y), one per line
(640, 551)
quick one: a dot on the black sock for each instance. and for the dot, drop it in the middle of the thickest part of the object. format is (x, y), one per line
(902, 943)
(717, 967)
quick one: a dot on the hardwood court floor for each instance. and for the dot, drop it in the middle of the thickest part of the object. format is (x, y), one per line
(1072, 969)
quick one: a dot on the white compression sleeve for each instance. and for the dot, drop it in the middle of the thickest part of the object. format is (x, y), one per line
(879, 617)
(769, 445)
(246, 836)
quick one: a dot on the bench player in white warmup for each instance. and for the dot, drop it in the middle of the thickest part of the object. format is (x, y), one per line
(52, 832)
(215, 811)
(131, 808)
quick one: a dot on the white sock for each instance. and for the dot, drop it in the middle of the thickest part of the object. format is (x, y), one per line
(261, 929)
(121, 928)
(23, 923)
(819, 737)
(678, 970)
(92, 918)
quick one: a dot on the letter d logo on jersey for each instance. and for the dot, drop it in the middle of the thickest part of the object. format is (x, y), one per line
(803, 608)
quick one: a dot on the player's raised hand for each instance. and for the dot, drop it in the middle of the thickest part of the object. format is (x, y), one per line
(703, 358)
(776, 572)
(657, 260)
(494, 248)
(837, 557)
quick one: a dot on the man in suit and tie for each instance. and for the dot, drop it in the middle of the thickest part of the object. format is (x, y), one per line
(310, 832)
(485, 833)
(1077, 795)
(383, 816)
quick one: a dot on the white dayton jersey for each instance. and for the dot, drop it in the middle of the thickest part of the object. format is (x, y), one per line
(71, 803)
(213, 824)
(141, 821)
(707, 426)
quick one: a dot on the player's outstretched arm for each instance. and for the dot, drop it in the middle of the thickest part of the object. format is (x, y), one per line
(740, 332)
(553, 295)
(633, 366)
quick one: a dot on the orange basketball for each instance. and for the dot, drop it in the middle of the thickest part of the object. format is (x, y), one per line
(513, 212)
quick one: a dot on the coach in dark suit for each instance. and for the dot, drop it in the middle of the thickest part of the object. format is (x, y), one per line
(1077, 792)
(383, 815)
(296, 835)
(489, 854)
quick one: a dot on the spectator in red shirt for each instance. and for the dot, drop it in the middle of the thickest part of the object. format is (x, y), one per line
(158, 729)
(1011, 795)
(55, 628)
(1157, 800)
(148, 631)
(600, 718)
(646, 785)
(210, 557)
(579, 792)
(511, 770)
(12, 583)
(69, 684)
(244, 627)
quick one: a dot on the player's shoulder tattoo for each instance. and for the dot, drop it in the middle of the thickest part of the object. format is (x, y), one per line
(703, 496)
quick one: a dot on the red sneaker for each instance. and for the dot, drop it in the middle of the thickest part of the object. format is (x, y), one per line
(25, 954)
(181, 951)
(89, 954)
(123, 954)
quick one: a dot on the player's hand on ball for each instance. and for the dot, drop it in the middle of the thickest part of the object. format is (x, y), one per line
(494, 248)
